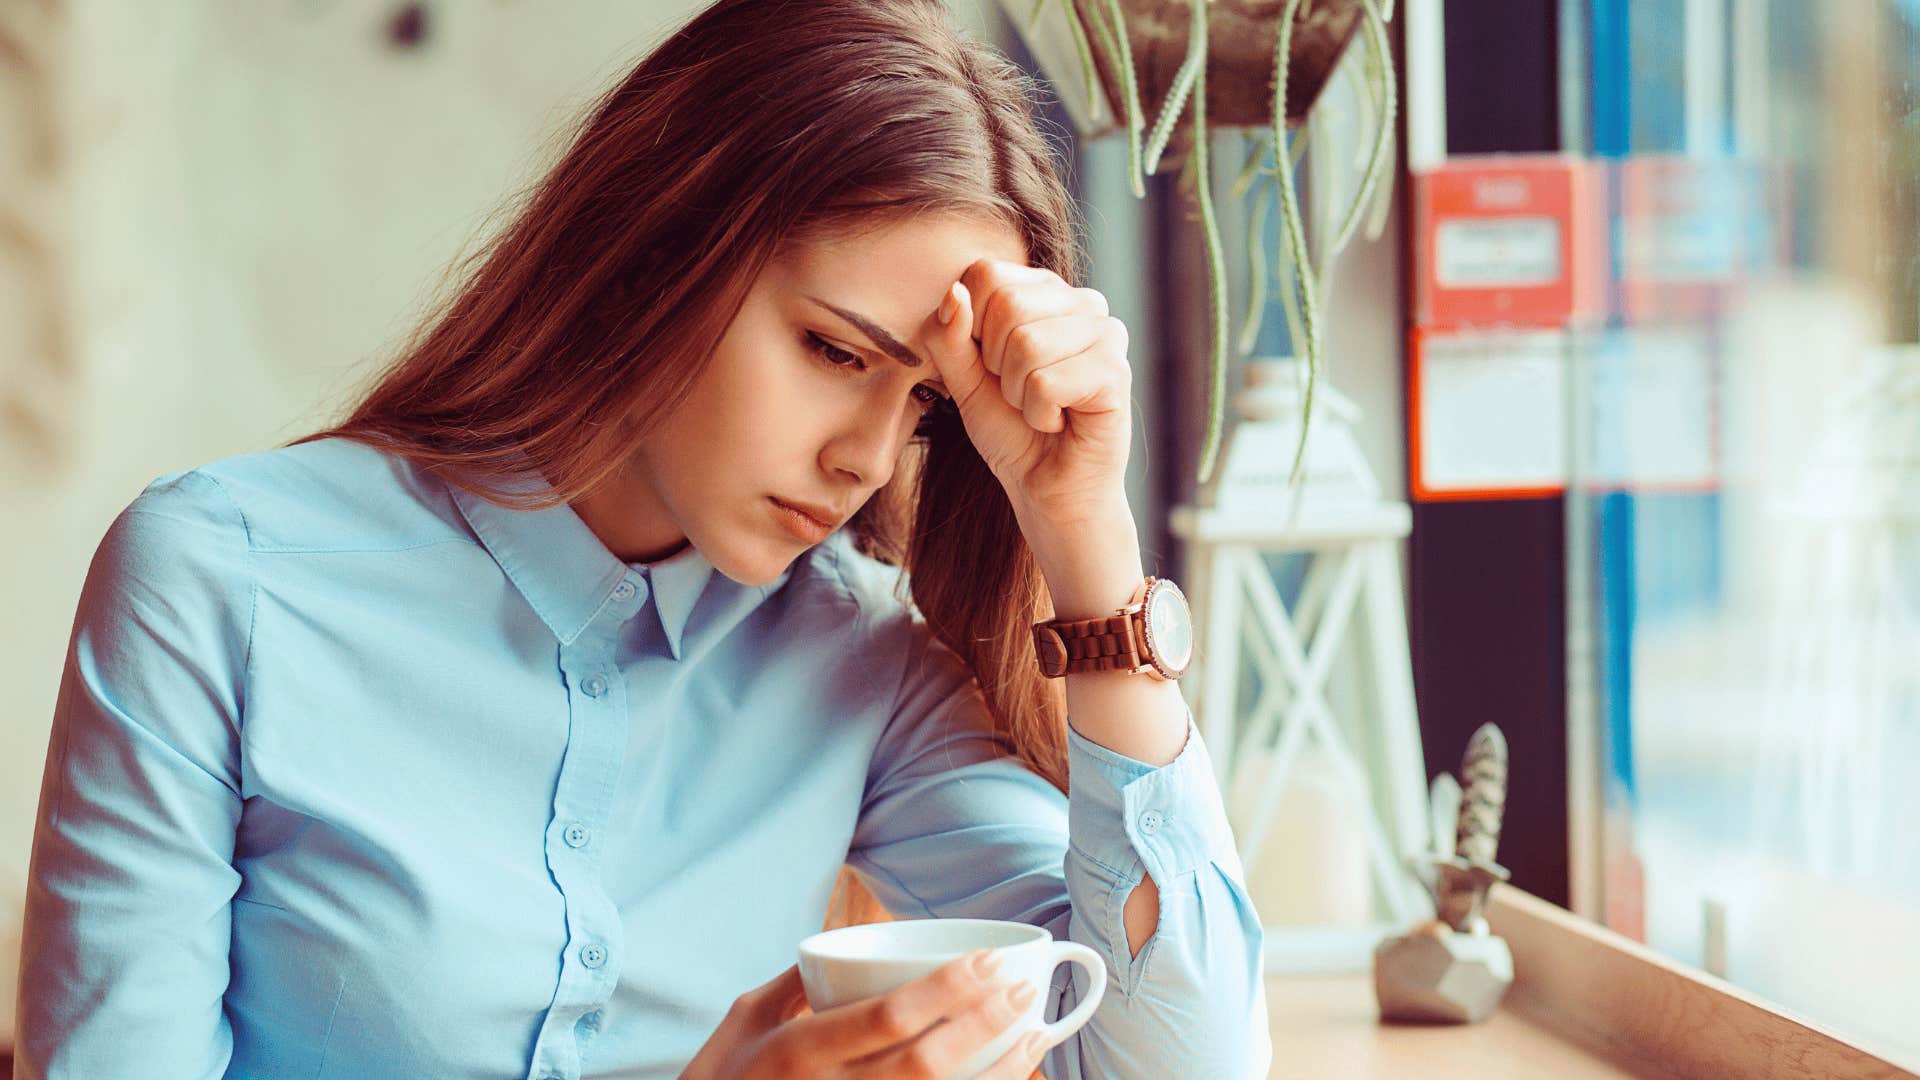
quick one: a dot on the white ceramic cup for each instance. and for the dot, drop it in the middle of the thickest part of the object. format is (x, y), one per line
(856, 962)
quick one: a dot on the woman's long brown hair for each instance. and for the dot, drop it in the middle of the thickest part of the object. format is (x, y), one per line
(756, 126)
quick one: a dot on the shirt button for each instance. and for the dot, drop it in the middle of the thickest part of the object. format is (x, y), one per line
(576, 835)
(623, 591)
(1151, 821)
(593, 955)
(593, 685)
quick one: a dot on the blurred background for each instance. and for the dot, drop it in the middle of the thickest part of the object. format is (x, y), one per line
(1635, 343)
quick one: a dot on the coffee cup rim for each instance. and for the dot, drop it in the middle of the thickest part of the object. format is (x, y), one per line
(820, 945)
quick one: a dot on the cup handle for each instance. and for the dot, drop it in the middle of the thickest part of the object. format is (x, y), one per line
(1087, 960)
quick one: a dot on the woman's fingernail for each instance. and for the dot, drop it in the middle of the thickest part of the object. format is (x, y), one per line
(986, 962)
(947, 307)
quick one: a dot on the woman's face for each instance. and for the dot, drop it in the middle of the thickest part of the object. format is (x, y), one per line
(809, 400)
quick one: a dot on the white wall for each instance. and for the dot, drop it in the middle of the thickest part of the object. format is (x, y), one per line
(260, 195)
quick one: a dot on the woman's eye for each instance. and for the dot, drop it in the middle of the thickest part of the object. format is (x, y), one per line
(833, 354)
(939, 408)
(926, 395)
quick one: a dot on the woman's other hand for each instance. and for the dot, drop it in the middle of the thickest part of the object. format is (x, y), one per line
(769, 1035)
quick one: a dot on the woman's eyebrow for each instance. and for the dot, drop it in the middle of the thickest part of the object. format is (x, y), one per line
(884, 341)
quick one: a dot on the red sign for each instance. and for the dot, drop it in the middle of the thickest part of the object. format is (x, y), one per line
(1509, 240)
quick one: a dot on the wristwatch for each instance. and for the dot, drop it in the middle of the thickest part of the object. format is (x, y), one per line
(1152, 635)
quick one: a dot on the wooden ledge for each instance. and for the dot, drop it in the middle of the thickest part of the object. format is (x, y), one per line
(1609, 992)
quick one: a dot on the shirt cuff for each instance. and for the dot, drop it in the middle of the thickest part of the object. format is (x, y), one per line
(1169, 817)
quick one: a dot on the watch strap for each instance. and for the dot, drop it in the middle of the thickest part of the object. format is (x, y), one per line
(1072, 647)
(1103, 643)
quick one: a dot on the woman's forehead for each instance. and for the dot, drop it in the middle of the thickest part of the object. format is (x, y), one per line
(937, 245)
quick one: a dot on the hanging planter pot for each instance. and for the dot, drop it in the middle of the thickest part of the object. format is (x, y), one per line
(1241, 40)
(1161, 70)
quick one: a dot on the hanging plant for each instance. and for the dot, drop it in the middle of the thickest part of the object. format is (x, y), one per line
(1254, 65)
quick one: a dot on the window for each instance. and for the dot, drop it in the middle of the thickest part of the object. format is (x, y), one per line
(1744, 517)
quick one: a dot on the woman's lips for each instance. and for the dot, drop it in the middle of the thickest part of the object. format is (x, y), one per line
(802, 525)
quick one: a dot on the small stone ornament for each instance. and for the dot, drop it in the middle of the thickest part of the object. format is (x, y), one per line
(1452, 969)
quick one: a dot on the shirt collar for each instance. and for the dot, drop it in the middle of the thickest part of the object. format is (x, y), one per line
(563, 570)
(678, 580)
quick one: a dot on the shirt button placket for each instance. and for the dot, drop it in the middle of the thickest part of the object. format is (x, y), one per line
(590, 666)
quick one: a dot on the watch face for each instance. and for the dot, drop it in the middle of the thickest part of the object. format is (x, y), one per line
(1169, 628)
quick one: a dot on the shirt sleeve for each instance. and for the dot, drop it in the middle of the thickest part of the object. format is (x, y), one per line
(951, 827)
(124, 958)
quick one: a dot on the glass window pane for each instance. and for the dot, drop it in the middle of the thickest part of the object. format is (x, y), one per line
(1747, 511)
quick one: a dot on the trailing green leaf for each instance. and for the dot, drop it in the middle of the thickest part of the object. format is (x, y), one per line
(1113, 38)
(1251, 168)
(1283, 286)
(1376, 35)
(1080, 45)
(1295, 238)
(1256, 277)
(1288, 292)
(1176, 99)
(1216, 262)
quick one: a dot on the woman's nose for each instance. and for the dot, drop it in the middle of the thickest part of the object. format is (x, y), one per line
(866, 448)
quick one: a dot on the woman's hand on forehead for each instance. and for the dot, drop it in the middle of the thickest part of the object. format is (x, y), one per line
(1038, 369)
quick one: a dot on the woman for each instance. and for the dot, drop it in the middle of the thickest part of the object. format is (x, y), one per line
(522, 723)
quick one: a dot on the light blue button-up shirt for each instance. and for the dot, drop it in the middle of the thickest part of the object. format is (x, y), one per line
(357, 775)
